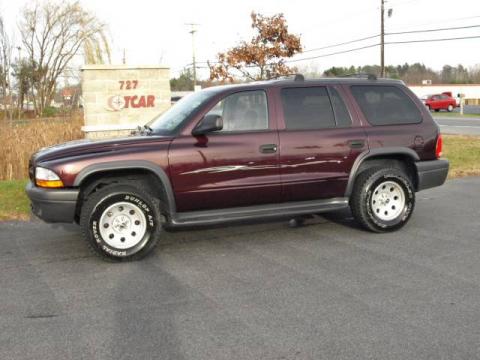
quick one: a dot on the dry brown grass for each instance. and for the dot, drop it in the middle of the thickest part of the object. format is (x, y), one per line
(18, 141)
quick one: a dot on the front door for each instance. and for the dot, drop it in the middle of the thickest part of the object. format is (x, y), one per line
(318, 142)
(236, 166)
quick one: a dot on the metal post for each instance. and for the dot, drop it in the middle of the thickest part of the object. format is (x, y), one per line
(194, 64)
(382, 40)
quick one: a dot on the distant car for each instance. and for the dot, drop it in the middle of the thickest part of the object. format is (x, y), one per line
(439, 102)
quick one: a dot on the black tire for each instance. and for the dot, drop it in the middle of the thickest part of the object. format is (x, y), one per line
(450, 108)
(428, 107)
(146, 213)
(363, 196)
(437, 110)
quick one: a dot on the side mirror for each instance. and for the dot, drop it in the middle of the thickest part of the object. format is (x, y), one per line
(208, 124)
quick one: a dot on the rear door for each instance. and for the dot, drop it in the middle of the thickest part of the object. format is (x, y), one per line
(436, 102)
(237, 166)
(319, 141)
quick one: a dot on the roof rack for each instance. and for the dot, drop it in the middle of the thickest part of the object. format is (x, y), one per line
(362, 76)
(296, 77)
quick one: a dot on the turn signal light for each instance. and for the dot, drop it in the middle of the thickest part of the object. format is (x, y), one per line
(49, 183)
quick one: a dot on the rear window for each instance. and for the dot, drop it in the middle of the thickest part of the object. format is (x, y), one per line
(386, 105)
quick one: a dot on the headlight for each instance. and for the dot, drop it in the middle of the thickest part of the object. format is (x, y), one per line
(47, 178)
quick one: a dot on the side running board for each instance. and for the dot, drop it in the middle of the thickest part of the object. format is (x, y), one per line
(208, 217)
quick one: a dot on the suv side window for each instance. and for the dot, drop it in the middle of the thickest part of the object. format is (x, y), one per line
(342, 116)
(307, 108)
(386, 105)
(243, 111)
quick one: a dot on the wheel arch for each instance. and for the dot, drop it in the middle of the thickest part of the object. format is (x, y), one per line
(123, 169)
(403, 157)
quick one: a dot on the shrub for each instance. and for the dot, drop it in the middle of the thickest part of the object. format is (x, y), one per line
(49, 111)
(22, 138)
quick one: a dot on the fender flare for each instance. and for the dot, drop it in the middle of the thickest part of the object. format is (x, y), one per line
(131, 165)
(367, 154)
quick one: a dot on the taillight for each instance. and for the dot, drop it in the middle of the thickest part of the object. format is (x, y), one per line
(439, 146)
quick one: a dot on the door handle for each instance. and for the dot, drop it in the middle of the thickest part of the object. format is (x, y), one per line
(356, 144)
(268, 148)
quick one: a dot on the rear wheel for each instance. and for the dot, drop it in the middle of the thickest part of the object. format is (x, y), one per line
(383, 199)
(437, 110)
(121, 222)
(450, 108)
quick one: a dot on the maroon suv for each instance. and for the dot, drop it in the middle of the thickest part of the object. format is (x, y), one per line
(282, 148)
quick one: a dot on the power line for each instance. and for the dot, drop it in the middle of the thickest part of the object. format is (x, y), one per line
(340, 44)
(390, 33)
(334, 53)
(386, 43)
(377, 44)
(432, 30)
(438, 22)
(434, 40)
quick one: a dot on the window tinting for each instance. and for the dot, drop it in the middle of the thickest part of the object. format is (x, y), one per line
(386, 105)
(243, 111)
(307, 108)
(342, 117)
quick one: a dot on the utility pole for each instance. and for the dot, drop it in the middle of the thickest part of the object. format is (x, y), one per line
(194, 64)
(382, 39)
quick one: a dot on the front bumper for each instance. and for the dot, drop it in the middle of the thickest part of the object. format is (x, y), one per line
(53, 205)
(431, 173)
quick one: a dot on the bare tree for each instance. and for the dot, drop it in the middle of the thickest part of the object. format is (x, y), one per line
(5, 67)
(53, 33)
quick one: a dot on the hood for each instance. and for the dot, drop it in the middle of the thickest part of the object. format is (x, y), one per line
(88, 147)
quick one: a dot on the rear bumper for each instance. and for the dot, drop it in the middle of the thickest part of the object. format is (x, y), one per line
(431, 173)
(53, 205)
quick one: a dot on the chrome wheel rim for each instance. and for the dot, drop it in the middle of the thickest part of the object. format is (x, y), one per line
(122, 225)
(388, 201)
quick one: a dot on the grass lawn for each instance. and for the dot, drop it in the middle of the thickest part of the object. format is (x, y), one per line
(14, 204)
(462, 151)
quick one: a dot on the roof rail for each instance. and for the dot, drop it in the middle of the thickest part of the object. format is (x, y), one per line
(299, 77)
(361, 76)
(296, 77)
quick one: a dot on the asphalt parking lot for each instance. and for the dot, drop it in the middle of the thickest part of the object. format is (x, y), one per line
(327, 290)
(459, 126)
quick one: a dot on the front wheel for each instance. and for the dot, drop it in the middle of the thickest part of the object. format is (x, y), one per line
(120, 222)
(383, 199)
(450, 108)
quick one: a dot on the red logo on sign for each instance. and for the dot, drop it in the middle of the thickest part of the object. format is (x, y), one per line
(118, 102)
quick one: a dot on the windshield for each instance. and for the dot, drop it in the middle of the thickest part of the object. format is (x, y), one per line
(169, 121)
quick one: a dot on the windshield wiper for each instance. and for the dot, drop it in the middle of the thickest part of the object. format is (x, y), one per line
(147, 129)
(142, 130)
